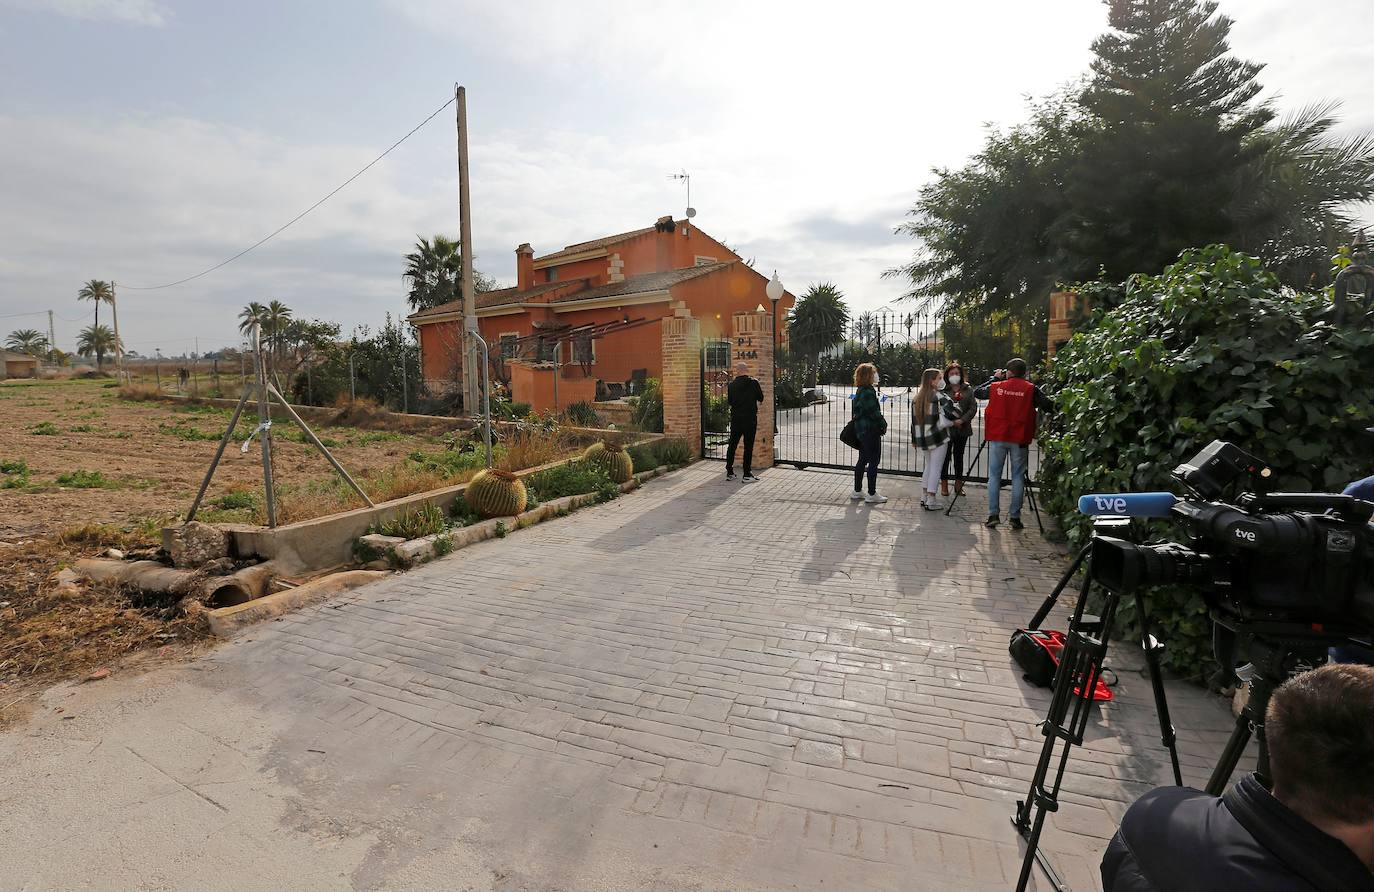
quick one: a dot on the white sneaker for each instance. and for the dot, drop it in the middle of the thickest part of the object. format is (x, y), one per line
(856, 495)
(875, 499)
(932, 503)
(749, 478)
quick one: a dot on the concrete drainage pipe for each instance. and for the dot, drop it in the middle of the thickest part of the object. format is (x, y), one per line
(213, 591)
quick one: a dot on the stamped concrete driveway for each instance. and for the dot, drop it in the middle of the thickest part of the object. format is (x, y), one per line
(699, 686)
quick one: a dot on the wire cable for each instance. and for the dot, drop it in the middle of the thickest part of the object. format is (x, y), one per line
(296, 218)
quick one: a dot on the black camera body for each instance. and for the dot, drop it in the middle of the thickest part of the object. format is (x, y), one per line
(1293, 565)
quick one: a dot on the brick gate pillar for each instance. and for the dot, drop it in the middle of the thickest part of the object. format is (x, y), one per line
(682, 377)
(753, 345)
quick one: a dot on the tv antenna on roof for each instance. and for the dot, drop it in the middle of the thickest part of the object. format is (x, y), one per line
(691, 211)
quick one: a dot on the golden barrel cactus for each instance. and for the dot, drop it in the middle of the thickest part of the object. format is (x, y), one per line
(496, 493)
(611, 458)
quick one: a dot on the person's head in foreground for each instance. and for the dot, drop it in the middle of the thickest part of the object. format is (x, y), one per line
(1314, 831)
(741, 368)
(866, 375)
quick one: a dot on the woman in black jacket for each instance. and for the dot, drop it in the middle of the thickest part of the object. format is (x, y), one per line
(960, 393)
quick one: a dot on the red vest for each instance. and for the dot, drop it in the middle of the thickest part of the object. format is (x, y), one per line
(1010, 417)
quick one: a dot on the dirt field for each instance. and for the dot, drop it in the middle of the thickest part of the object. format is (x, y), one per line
(151, 456)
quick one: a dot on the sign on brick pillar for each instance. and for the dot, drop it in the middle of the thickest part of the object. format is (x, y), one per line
(753, 345)
(682, 377)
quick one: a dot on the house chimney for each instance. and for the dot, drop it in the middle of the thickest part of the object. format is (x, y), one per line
(524, 266)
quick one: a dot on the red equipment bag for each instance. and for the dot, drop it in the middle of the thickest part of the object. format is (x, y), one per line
(1038, 652)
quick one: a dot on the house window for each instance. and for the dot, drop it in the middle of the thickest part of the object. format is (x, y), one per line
(551, 274)
(704, 261)
(510, 345)
(545, 353)
(717, 354)
(583, 351)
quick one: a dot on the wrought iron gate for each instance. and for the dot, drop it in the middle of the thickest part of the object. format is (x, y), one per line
(715, 410)
(815, 396)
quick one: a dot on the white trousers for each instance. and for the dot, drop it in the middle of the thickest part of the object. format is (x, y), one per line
(935, 460)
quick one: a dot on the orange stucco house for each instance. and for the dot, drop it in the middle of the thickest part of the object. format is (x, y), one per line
(632, 278)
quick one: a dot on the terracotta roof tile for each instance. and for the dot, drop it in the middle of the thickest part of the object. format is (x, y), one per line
(498, 298)
(643, 284)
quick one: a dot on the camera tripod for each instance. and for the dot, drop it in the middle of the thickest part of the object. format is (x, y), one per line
(1080, 667)
(1029, 489)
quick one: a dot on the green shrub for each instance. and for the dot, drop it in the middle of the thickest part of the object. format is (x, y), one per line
(84, 480)
(463, 513)
(500, 530)
(717, 412)
(673, 451)
(82, 429)
(239, 498)
(44, 429)
(1213, 348)
(581, 414)
(647, 414)
(607, 491)
(14, 473)
(413, 523)
(192, 434)
(451, 462)
(572, 479)
(642, 456)
(443, 545)
(520, 410)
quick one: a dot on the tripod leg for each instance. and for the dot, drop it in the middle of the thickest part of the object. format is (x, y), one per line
(1079, 670)
(967, 473)
(1035, 509)
(1251, 719)
(1153, 648)
(1053, 596)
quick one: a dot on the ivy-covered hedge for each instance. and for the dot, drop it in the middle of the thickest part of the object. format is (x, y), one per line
(1213, 348)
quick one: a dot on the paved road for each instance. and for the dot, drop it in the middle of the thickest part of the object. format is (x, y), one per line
(700, 686)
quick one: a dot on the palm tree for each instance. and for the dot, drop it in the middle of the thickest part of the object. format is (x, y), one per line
(28, 340)
(816, 323)
(435, 270)
(97, 292)
(254, 312)
(98, 340)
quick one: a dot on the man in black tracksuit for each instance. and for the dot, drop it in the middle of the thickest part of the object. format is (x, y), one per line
(1315, 831)
(745, 395)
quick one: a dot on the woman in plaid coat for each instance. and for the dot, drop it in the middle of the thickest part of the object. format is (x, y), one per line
(932, 414)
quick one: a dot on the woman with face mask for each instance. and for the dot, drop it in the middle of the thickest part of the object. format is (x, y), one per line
(931, 418)
(960, 394)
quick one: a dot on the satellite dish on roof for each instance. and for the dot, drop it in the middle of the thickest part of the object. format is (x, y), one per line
(691, 212)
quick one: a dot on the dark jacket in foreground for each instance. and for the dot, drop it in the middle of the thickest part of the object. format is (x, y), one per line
(1176, 839)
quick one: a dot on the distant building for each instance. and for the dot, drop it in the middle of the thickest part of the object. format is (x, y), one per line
(18, 365)
(632, 276)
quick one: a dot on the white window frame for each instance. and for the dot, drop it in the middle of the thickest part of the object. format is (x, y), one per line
(721, 344)
(591, 343)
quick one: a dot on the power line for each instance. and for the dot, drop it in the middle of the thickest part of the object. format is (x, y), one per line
(17, 315)
(294, 219)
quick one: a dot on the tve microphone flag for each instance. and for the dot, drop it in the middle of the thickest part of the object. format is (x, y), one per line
(1128, 504)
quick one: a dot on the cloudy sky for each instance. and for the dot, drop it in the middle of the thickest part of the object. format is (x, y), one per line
(145, 140)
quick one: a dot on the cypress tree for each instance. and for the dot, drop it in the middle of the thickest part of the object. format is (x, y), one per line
(1161, 171)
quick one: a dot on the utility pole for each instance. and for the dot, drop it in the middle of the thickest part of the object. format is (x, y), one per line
(471, 393)
(119, 348)
(52, 333)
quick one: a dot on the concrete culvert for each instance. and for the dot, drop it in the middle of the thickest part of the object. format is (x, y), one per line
(228, 595)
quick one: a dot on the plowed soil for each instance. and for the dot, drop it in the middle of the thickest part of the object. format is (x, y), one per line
(152, 472)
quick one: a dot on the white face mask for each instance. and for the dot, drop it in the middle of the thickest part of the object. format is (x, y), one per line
(955, 379)
(940, 384)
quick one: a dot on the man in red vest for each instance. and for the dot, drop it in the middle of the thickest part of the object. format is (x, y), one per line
(1008, 428)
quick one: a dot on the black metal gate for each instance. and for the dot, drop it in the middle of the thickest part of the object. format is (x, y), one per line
(815, 394)
(715, 408)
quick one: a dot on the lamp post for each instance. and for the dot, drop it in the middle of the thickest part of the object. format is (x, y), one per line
(775, 291)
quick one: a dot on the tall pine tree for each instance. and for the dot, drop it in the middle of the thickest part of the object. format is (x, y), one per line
(1161, 171)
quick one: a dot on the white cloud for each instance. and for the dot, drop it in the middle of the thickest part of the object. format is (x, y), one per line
(132, 12)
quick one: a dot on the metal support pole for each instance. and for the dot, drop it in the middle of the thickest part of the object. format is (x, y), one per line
(264, 426)
(465, 286)
(310, 435)
(219, 453)
(486, 390)
(405, 389)
(352, 387)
